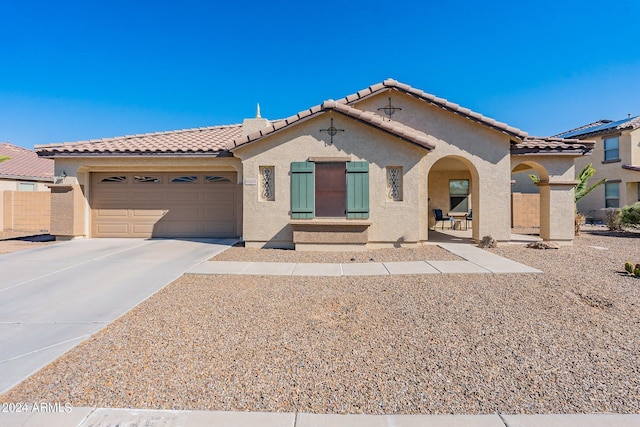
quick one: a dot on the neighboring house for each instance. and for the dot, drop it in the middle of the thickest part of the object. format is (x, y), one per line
(616, 157)
(364, 171)
(25, 200)
(24, 171)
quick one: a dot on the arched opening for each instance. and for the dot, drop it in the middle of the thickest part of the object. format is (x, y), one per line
(453, 190)
(527, 199)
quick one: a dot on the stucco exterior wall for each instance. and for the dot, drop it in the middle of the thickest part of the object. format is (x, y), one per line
(557, 181)
(525, 210)
(77, 170)
(485, 152)
(267, 222)
(28, 211)
(14, 185)
(439, 191)
(593, 204)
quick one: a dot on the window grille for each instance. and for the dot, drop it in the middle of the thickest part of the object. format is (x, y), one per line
(140, 178)
(114, 179)
(185, 179)
(267, 190)
(216, 178)
(394, 183)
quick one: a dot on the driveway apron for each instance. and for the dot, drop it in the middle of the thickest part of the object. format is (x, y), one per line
(54, 297)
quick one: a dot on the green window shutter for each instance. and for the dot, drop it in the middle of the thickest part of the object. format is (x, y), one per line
(358, 190)
(302, 191)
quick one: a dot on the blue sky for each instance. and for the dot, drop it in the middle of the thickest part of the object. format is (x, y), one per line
(80, 70)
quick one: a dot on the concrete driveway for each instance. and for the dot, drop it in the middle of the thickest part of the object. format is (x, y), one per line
(54, 297)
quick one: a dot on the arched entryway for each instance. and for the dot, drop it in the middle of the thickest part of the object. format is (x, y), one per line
(523, 185)
(525, 197)
(453, 189)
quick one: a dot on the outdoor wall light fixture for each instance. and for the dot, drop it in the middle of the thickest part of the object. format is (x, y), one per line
(389, 109)
(332, 131)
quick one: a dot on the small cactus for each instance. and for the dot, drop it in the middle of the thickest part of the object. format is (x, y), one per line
(636, 272)
(628, 266)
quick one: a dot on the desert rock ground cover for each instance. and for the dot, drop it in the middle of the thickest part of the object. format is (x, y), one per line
(565, 341)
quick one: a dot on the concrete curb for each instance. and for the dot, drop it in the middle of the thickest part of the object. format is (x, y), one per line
(59, 416)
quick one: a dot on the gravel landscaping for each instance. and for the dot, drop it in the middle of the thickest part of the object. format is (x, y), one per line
(428, 252)
(566, 341)
(12, 242)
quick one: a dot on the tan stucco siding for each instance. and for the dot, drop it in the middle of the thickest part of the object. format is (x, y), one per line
(392, 221)
(463, 135)
(486, 151)
(593, 204)
(634, 138)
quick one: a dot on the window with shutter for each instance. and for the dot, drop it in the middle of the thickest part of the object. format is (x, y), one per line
(318, 191)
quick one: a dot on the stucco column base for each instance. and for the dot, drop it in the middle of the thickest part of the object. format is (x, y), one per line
(557, 207)
(67, 211)
(62, 238)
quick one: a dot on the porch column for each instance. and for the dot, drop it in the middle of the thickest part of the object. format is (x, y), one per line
(557, 212)
(492, 207)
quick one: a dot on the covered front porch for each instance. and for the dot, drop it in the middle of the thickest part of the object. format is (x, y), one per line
(449, 235)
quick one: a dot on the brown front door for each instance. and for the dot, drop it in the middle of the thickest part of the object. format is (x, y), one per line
(331, 189)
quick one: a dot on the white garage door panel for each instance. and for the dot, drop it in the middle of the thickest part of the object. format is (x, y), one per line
(123, 205)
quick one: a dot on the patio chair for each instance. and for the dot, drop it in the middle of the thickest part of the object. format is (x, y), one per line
(437, 213)
(469, 218)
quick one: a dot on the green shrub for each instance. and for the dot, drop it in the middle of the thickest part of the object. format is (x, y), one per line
(612, 218)
(630, 215)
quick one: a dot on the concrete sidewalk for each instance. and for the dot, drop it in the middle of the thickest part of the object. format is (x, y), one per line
(103, 417)
(476, 260)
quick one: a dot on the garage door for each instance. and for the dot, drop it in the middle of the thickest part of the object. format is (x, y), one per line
(180, 204)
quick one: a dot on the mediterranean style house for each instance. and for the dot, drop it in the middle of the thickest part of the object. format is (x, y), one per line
(616, 157)
(364, 171)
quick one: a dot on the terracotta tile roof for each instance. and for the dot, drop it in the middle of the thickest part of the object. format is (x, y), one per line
(395, 128)
(434, 100)
(601, 127)
(24, 164)
(551, 145)
(207, 140)
(220, 140)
